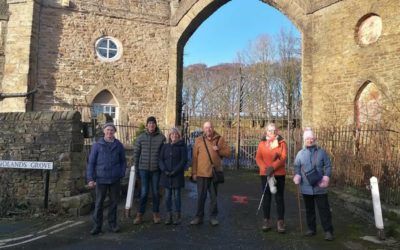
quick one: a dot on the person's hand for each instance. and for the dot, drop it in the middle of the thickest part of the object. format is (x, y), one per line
(91, 184)
(324, 183)
(168, 173)
(194, 177)
(269, 170)
(215, 148)
(297, 179)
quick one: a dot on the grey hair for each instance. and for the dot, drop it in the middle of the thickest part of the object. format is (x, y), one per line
(173, 130)
(271, 124)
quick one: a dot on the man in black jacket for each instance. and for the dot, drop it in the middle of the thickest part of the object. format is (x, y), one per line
(146, 157)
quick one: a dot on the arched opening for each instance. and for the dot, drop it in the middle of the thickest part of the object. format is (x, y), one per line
(104, 102)
(186, 22)
(368, 104)
(240, 73)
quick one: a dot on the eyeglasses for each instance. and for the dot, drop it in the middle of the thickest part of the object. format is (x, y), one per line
(271, 130)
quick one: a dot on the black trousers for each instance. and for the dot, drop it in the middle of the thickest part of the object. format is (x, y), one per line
(101, 192)
(279, 197)
(324, 211)
(205, 185)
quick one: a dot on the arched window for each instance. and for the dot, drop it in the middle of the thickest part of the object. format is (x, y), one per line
(105, 103)
(369, 104)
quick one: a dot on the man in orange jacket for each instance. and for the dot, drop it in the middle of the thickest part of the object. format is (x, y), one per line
(202, 170)
(271, 160)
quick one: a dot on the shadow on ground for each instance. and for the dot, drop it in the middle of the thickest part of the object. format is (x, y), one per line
(239, 225)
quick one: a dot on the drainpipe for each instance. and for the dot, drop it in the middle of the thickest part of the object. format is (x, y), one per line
(10, 95)
(37, 53)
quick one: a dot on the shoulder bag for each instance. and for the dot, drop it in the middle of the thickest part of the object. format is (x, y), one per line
(217, 176)
(312, 175)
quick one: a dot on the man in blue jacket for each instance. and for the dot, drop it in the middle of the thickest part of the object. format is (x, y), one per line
(106, 167)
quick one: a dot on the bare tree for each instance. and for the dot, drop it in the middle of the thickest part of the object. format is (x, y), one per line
(256, 61)
(267, 77)
(195, 78)
(288, 72)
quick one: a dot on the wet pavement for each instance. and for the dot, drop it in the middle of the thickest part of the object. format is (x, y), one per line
(239, 226)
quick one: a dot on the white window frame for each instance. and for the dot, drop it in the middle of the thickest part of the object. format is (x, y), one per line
(108, 48)
(106, 109)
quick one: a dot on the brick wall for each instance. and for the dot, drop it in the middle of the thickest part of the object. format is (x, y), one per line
(41, 136)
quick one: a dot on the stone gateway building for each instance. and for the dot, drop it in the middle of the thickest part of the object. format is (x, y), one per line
(125, 57)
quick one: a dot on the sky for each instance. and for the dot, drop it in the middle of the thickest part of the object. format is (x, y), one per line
(231, 28)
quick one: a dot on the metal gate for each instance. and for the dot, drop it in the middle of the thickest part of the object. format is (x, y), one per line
(243, 140)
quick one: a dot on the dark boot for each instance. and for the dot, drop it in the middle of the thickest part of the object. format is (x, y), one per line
(168, 220)
(309, 233)
(95, 230)
(196, 221)
(177, 218)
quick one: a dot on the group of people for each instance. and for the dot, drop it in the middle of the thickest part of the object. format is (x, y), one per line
(161, 161)
(312, 171)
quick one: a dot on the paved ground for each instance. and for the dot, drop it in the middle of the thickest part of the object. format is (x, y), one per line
(239, 226)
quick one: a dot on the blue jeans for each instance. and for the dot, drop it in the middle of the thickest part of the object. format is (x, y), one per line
(173, 193)
(147, 178)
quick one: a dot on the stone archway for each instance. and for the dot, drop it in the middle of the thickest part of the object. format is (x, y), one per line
(186, 19)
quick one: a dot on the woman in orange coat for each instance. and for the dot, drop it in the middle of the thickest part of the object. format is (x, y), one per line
(271, 160)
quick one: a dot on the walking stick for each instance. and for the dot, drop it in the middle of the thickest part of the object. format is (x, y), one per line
(298, 205)
(262, 197)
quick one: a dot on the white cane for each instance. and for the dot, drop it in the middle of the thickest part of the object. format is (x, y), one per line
(262, 197)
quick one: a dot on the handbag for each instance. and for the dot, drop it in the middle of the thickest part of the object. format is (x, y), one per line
(217, 176)
(312, 175)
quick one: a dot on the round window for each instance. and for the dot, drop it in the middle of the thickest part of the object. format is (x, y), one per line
(369, 29)
(108, 49)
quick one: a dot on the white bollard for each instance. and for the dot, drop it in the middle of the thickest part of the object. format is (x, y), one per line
(376, 201)
(131, 189)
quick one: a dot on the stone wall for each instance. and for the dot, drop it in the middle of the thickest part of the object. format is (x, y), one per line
(339, 66)
(3, 31)
(41, 136)
(50, 46)
(70, 72)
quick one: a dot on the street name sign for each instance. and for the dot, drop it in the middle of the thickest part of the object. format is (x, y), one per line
(26, 164)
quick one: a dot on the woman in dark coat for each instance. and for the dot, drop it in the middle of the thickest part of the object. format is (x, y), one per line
(173, 159)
